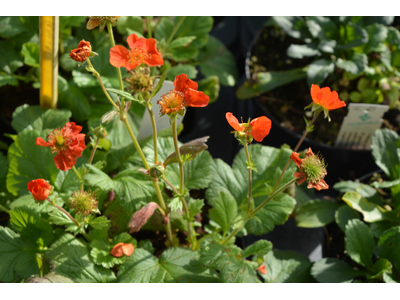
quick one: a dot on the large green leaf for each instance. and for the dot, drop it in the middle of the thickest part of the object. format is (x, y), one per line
(344, 214)
(293, 26)
(389, 246)
(28, 161)
(333, 270)
(17, 256)
(355, 64)
(261, 247)
(10, 58)
(319, 70)
(316, 213)
(11, 26)
(359, 242)
(377, 33)
(198, 26)
(131, 22)
(228, 261)
(352, 35)
(267, 81)
(174, 265)
(223, 211)
(71, 259)
(28, 223)
(30, 51)
(75, 100)
(216, 60)
(301, 51)
(286, 266)
(27, 117)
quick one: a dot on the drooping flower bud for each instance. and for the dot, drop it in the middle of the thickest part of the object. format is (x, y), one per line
(157, 171)
(84, 203)
(82, 52)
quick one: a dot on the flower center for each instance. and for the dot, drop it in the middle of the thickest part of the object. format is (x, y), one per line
(58, 140)
(138, 55)
(173, 101)
(314, 168)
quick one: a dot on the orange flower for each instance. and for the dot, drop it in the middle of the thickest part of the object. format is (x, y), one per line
(184, 94)
(82, 52)
(120, 249)
(326, 98)
(40, 189)
(312, 169)
(262, 269)
(68, 142)
(258, 128)
(141, 51)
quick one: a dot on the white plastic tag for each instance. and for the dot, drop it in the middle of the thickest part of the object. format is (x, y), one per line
(359, 125)
(146, 129)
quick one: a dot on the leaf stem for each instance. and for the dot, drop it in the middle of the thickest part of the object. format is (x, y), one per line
(191, 237)
(3, 208)
(174, 31)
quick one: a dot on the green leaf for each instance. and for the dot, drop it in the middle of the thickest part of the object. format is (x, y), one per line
(371, 211)
(355, 65)
(316, 213)
(319, 70)
(267, 81)
(389, 278)
(8, 79)
(333, 270)
(381, 266)
(198, 26)
(377, 33)
(100, 223)
(146, 245)
(189, 70)
(359, 243)
(344, 214)
(27, 117)
(175, 204)
(389, 246)
(216, 60)
(31, 226)
(75, 100)
(174, 265)
(189, 150)
(71, 259)
(228, 261)
(286, 266)
(301, 51)
(195, 206)
(28, 161)
(17, 256)
(57, 217)
(126, 95)
(30, 51)
(379, 228)
(70, 21)
(10, 58)
(261, 247)
(223, 211)
(181, 54)
(130, 22)
(210, 86)
(181, 42)
(293, 26)
(11, 26)
(352, 35)
(28, 201)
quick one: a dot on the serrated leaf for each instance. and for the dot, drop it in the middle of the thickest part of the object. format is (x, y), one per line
(28, 201)
(71, 259)
(126, 95)
(175, 204)
(100, 223)
(146, 245)
(333, 270)
(223, 211)
(286, 266)
(195, 206)
(13, 249)
(344, 214)
(30, 226)
(260, 247)
(174, 265)
(359, 243)
(316, 213)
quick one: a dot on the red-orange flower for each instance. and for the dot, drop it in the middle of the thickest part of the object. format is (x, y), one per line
(39, 188)
(326, 98)
(68, 142)
(141, 51)
(312, 169)
(120, 249)
(185, 94)
(262, 269)
(258, 128)
(82, 52)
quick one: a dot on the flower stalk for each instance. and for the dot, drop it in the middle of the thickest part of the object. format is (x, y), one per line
(249, 168)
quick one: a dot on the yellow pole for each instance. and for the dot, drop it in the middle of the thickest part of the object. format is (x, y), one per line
(48, 31)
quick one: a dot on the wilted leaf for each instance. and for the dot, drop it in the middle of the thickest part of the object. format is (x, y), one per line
(190, 149)
(140, 217)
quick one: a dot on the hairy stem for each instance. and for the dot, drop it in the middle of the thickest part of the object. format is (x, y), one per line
(246, 148)
(148, 23)
(154, 125)
(111, 34)
(182, 183)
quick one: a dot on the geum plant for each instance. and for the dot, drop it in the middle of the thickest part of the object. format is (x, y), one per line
(154, 191)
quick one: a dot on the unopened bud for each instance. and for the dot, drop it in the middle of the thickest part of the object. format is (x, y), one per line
(157, 170)
(82, 52)
(100, 132)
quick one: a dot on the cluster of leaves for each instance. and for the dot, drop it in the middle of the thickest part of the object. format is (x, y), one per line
(365, 49)
(372, 239)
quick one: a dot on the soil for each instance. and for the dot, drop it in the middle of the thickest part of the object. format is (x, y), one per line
(269, 54)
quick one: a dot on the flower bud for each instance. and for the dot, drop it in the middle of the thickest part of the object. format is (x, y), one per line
(84, 202)
(157, 170)
(82, 52)
(100, 132)
(40, 189)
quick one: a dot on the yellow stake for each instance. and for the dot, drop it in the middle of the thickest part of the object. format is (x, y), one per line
(48, 31)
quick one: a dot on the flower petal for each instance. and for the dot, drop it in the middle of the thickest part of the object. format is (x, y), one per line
(261, 127)
(195, 98)
(321, 185)
(297, 160)
(64, 160)
(131, 40)
(119, 57)
(182, 83)
(302, 177)
(42, 142)
(233, 121)
(309, 153)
